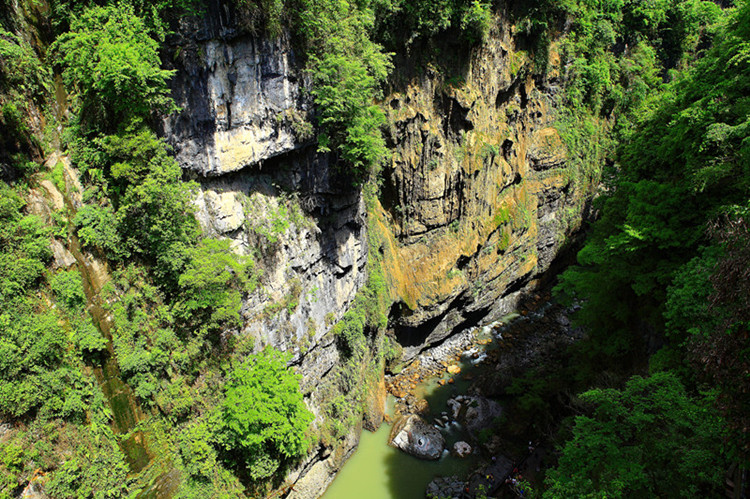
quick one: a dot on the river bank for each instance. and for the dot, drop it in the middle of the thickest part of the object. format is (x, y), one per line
(458, 386)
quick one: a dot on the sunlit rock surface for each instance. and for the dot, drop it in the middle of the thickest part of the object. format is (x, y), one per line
(417, 437)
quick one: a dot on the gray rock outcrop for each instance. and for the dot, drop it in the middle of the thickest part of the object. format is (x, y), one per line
(417, 437)
(445, 487)
(241, 96)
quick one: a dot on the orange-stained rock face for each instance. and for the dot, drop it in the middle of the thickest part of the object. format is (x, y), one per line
(478, 196)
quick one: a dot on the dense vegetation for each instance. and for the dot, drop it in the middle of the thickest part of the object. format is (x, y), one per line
(657, 90)
(660, 274)
(173, 291)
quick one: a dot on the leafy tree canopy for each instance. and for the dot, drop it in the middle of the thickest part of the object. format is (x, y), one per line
(111, 61)
(649, 439)
(265, 420)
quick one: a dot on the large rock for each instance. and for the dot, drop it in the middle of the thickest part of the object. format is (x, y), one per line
(461, 449)
(417, 437)
(446, 487)
(480, 413)
(242, 100)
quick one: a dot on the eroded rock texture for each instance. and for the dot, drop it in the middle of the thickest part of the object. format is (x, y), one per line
(476, 200)
(479, 195)
(241, 95)
(417, 437)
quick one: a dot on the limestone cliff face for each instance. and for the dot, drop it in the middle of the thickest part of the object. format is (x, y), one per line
(262, 185)
(244, 135)
(479, 195)
(474, 205)
(241, 95)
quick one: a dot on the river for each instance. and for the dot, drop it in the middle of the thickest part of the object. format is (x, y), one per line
(379, 471)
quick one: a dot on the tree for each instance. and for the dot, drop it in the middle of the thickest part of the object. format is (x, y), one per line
(347, 68)
(682, 164)
(650, 439)
(212, 283)
(111, 61)
(265, 420)
(709, 312)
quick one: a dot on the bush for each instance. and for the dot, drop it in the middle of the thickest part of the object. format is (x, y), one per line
(198, 455)
(475, 21)
(21, 72)
(212, 284)
(112, 66)
(96, 226)
(68, 289)
(347, 69)
(264, 419)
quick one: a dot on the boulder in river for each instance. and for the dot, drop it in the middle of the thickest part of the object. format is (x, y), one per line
(417, 437)
(461, 449)
(446, 486)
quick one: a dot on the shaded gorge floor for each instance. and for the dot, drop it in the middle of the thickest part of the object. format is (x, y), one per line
(489, 358)
(378, 471)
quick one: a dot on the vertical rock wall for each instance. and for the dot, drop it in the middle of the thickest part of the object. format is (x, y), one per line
(476, 201)
(244, 135)
(479, 196)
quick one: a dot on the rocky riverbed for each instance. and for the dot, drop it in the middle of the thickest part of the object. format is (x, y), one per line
(460, 388)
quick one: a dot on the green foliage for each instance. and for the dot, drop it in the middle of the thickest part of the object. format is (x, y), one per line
(678, 168)
(111, 62)
(196, 449)
(24, 246)
(368, 311)
(476, 19)
(535, 395)
(347, 68)
(21, 72)
(95, 466)
(155, 199)
(38, 373)
(162, 347)
(264, 419)
(391, 351)
(212, 284)
(405, 21)
(149, 213)
(68, 289)
(686, 310)
(648, 440)
(96, 227)
(142, 336)
(617, 53)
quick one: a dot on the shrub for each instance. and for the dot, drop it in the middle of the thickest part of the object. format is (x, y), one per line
(264, 419)
(212, 284)
(96, 226)
(112, 66)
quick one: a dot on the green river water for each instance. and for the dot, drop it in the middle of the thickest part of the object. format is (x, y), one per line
(378, 471)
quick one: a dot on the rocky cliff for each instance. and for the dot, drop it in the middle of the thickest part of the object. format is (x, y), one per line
(479, 195)
(244, 134)
(476, 199)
